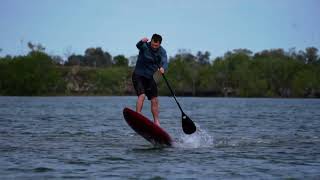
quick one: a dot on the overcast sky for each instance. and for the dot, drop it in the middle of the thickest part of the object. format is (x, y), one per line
(71, 26)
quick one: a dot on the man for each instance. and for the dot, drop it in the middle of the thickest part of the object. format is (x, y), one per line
(152, 57)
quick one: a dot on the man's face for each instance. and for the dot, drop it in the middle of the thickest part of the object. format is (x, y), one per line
(155, 45)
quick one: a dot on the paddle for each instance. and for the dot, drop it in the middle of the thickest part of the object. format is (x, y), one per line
(187, 124)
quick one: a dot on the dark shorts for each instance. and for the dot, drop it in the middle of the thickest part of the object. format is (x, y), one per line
(144, 85)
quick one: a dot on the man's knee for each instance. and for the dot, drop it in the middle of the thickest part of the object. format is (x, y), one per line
(154, 100)
(141, 96)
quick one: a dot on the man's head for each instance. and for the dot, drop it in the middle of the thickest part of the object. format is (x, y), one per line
(156, 40)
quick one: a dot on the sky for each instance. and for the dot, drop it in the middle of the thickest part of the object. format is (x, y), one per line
(64, 27)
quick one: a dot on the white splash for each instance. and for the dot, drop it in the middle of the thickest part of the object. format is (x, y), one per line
(196, 140)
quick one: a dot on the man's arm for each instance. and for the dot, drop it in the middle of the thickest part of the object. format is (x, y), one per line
(164, 61)
(141, 45)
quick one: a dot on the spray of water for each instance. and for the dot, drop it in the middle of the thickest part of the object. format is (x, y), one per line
(198, 139)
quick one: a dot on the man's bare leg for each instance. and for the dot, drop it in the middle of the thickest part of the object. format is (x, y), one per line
(155, 110)
(140, 101)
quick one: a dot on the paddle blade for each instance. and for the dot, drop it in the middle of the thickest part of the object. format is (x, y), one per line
(187, 125)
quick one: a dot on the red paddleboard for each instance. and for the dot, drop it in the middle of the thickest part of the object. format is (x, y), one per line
(146, 128)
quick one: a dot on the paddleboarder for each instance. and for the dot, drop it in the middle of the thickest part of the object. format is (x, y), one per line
(151, 56)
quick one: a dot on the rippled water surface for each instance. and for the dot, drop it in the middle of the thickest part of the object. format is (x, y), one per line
(87, 137)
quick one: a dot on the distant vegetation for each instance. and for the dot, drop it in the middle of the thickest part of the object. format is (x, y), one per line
(239, 73)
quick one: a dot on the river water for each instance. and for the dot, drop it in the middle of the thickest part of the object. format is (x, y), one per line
(87, 138)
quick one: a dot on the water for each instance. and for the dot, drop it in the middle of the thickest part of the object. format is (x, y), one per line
(87, 138)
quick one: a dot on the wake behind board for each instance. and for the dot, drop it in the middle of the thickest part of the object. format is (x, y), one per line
(146, 128)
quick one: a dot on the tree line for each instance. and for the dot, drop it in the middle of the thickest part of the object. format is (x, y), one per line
(269, 73)
(238, 73)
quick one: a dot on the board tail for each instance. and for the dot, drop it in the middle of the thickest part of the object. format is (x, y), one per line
(146, 128)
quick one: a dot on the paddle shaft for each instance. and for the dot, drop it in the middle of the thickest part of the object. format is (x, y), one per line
(187, 124)
(174, 96)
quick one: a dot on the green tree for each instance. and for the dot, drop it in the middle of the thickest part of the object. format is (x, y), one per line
(306, 82)
(203, 58)
(34, 74)
(311, 55)
(74, 60)
(4, 72)
(208, 82)
(121, 60)
(112, 81)
(183, 71)
(57, 60)
(95, 57)
(36, 47)
(278, 69)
